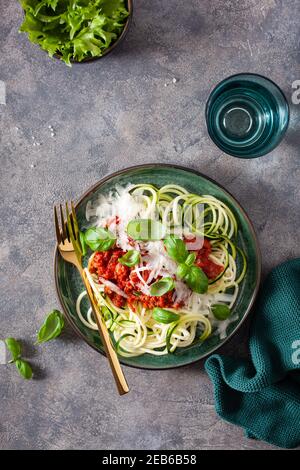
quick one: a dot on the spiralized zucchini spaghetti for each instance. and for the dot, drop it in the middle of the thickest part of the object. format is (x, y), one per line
(167, 289)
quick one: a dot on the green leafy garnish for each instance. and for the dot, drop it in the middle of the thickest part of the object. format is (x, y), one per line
(164, 316)
(221, 311)
(51, 328)
(196, 280)
(74, 29)
(24, 368)
(176, 249)
(131, 258)
(192, 275)
(182, 270)
(99, 239)
(162, 286)
(190, 260)
(14, 348)
(145, 229)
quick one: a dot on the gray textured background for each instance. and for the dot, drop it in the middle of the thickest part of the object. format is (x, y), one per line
(108, 115)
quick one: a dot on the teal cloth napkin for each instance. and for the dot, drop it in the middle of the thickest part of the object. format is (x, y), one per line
(262, 395)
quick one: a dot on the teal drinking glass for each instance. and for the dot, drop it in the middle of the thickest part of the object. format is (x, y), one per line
(247, 115)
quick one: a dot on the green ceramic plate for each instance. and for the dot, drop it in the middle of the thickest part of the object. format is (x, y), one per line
(69, 285)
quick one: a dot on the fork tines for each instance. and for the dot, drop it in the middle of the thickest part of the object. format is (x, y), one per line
(68, 227)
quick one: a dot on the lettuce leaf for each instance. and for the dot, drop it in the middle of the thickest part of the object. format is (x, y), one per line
(73, 29)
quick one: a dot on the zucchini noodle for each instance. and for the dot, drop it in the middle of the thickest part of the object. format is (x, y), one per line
(133, 329)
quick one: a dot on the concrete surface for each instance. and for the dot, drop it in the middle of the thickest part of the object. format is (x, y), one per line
(108, 115)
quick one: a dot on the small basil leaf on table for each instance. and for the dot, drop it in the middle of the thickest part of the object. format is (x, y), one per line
(24, 369)
(164, 316)
(82, 243)
(221, 311)
(176, 249)
(99, 239)
(145, 229)
(51, 328)
(131, 258)
(162, 286)
(14, 348)
(196, 280)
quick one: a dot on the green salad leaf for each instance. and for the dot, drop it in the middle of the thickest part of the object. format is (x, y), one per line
(74, 29)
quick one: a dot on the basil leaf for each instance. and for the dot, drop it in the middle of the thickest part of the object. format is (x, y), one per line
(190, 259)
(82, 243)
(51, 328)
(176, 249)
(131, 258)
(162, 286)
(221, 311)
(99, 239)
(196, 280)
(24, 369)
(14, 348)
(164, 316)
(182, 270)
(145, 229)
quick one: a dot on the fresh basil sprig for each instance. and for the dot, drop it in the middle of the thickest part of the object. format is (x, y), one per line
(14, 348)
(162, 286)
(51, 328)
(145, 229)
(221, 311)
(192, 275)
(176, 249)
(131, 258)
(23, 367)
(162, 315)
(196, 280)
(182, 270)
(98, 239)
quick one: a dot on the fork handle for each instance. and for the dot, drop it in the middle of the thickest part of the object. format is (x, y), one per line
(104, 334)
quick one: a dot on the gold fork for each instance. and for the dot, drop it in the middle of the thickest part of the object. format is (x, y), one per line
(67, 235)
